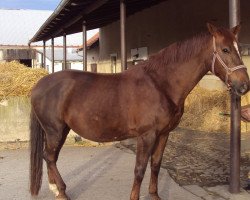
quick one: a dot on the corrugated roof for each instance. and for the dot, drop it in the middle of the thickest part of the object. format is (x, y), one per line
(70, 14)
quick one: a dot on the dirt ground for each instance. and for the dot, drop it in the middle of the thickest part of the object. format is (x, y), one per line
(195, 157)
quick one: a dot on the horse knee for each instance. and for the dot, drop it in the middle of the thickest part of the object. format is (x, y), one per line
(155, 167)
(48, 156)
(139, 173)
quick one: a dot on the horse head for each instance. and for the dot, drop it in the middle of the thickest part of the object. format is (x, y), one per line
(227, 63)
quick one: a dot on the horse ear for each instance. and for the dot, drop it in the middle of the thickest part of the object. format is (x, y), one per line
(235, 30)
(211, 28)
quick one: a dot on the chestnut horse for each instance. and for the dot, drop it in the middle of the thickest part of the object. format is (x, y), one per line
(146, 102)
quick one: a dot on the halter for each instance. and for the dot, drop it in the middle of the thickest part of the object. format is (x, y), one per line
(228, 70)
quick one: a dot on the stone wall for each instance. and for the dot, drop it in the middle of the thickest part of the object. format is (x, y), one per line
(14, 119)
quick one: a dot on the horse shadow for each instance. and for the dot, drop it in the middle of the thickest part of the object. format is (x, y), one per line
(84, 176)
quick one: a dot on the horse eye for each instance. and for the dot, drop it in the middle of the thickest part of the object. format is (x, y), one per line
(225, 50)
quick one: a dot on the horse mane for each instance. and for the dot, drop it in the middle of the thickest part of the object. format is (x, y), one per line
(177, 52)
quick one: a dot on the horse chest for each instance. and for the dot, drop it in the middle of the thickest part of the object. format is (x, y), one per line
(169, 118)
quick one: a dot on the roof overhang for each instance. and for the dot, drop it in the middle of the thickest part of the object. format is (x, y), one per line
(69, 16)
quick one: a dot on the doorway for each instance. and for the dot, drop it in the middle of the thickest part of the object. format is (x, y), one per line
(113, 59)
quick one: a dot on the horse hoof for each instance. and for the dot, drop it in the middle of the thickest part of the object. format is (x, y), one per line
(62, 198)
(155, 197)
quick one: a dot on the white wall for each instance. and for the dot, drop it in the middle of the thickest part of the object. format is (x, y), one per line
(92, 57)
(58, 66)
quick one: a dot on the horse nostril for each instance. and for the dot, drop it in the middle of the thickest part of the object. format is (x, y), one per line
(244, 88)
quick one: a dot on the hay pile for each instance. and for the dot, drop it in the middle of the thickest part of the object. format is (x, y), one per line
(205, 109)
(17, 79)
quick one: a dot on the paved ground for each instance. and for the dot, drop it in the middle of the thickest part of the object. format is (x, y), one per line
(103, 173)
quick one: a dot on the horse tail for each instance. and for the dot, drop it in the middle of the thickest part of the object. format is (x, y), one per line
(36, 154)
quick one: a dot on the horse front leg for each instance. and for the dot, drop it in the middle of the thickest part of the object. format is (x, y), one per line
(145, 144)
(156, 159)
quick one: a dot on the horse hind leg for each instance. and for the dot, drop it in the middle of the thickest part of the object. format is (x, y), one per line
(53, 144)
(156, 159)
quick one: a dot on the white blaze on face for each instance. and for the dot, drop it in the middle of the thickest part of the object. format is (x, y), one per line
(236, 47)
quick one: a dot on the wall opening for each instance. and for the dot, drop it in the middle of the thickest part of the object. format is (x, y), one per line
(27, 62)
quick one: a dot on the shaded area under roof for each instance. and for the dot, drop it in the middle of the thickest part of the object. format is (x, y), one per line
(70, 14)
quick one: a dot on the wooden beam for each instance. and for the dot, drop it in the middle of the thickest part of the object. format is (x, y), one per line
(97, 4)
(234, 186)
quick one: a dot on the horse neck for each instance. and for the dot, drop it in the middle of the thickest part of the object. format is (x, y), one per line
(176, 80)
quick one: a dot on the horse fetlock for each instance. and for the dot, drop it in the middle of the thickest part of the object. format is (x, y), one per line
(153, 190)
(54, 189)
(155, 196)
(135, 194)
(134, 198)
(62, 198)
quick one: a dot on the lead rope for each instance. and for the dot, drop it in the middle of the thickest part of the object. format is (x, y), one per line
(228, 70)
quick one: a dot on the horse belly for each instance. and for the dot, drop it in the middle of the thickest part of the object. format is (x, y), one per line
(102, 136)
(100, 130)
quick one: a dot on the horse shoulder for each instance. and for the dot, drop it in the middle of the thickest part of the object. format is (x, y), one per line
(168, 113)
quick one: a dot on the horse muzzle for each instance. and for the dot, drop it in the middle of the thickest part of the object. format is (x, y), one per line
(240, 89)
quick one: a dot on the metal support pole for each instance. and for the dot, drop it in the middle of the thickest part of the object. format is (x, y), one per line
(123, 34)
(64, 66)
(234, 186)
(44, 55)
(52, 55)
(84, 46)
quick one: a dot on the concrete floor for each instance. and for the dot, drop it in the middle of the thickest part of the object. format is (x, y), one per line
(93, 173)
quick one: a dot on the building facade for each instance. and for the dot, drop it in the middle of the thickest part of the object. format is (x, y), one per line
(154, 28)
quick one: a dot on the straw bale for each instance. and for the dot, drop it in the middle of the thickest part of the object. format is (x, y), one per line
(209, 110)
(17, 79)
